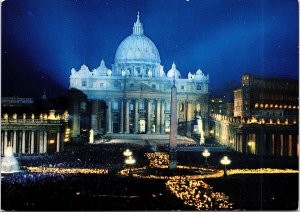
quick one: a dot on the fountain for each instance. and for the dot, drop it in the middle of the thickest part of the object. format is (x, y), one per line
(9, 163)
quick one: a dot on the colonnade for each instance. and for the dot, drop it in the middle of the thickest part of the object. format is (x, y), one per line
(29, 141)
(258, 139)
(267, 143)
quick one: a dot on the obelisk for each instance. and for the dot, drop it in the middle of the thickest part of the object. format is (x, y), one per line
(173, 129)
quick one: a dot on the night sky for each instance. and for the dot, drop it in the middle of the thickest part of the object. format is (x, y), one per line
(43, 40)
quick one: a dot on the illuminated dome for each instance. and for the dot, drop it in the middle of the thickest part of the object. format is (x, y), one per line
(173, 72)
(137, 49)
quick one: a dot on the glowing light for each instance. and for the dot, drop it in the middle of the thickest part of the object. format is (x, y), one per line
(225, 160)
(130, 160)
(206, 153)
(51, 141)
(127, 153)
(256, 105)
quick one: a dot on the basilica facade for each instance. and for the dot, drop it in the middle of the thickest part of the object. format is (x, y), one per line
(133, 97)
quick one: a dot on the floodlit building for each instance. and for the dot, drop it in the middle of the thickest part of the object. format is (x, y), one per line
(133, 96)
(265, 120)
(266, 97)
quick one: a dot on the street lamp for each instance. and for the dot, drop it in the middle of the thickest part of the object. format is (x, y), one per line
(225, 161)
(127, 153)
(130, 161)
(206, 154)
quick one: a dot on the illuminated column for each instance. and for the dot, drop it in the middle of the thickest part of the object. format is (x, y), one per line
(23, 141)
(58, 142)
(15, 142)
(148, 116)
(189, 118)
(5, 141)
(127, 116)
(45, 142)
(41, 143)
(136, 116)
(162, 120)
(108, 117)
(32, 143)
(76, 119)
(121, 116)
(157, 127)
(94, 117)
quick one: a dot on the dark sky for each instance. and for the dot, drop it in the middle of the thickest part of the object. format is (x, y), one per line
(43, 40)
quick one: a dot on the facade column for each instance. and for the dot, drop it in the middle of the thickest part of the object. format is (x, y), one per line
(95, 116)
(5, 141)
(162, 119)
(149, 102)
(108, 117)
(127, 116)
(157, 127)
(45, 142)
(32, 143)
(41, 143)
(121, 116)
(189, 117)
(15, 142)
(23, 141)
(58, 142)
(136, 116)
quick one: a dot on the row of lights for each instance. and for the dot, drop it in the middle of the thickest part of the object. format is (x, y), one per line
(276, 106)
(67, 170)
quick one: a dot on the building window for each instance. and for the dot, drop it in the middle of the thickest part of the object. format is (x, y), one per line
(115, 106)
(142, 105)
(154, 86)
(198, 87)
(131, 85)
(182, 87)
(83, 83)
(131, 106)
(101, 84)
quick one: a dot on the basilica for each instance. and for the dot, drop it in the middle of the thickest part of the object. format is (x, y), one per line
(134, 95)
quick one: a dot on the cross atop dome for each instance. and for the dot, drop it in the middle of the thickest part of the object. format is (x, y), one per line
(138, 26)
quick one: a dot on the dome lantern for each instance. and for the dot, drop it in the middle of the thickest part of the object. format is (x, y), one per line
(138, 26)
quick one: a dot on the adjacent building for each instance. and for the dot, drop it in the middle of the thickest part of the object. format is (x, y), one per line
(266, 97)
(265, 120)
(134, 95)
